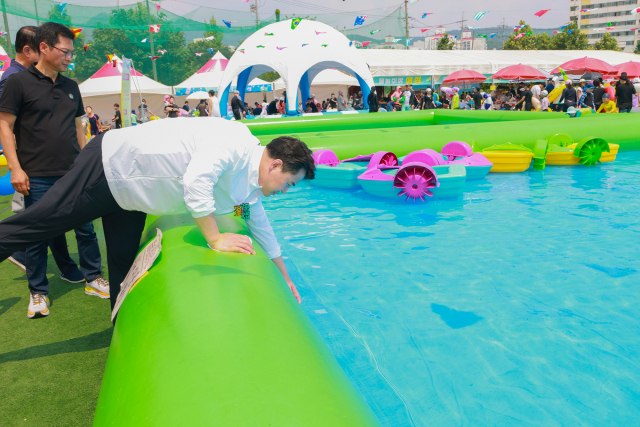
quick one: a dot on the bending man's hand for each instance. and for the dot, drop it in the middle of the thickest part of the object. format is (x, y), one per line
(229, 242)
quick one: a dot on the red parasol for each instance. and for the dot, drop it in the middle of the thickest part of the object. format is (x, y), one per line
(584, 65)
(632, 69)
(519, 72)
(464, 77)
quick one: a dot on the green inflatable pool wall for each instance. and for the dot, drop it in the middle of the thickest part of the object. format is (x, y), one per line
(320, 123)
(622, 129)
(217, 339)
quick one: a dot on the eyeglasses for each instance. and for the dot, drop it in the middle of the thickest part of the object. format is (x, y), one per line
(69, 54)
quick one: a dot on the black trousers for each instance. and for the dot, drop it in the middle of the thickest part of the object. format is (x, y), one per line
(80, 196)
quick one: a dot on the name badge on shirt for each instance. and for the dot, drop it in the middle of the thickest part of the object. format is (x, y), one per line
(242, 211)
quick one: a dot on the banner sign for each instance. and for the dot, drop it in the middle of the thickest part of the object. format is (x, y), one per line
(179, 91)
(125, 101)
(401, 80)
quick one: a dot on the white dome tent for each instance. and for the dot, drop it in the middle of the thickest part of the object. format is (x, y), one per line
(298, 55)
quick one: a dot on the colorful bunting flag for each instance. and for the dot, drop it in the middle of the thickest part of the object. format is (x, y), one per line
(210, 50)
(241, 50)
(424, 30)
(408, 40)
(154, 28)
(564, 26)
(295, 22)
(260, 46)
(611, 24)
(320, 32)
(61, 7)
(517, 27)
(209, 38)
(71, 66)
(541, 12)
(153, 58)
(529, 33)
(364, 44)
(597, 29)
(325, 45)
(482, 35)
(570, 31)
(635, 11)
(86, 46)
(145, 41)
(76, 31)
(492, 35)
(374, 31)
(588, 10)
(110, 58)
(280, 48)
(157, 6)
(162, 51)
(479, 15)
(633, 29)
(556, 32)
(3, 33)
(198, 53)
(396, 40)
(227, 23)
(424, 15)
(268, 34)
(305, 44)
(360, 20)
(412, 1)
(519, 36)
(114, 62)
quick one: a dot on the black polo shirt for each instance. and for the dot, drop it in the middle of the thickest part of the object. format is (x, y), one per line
(45, 127)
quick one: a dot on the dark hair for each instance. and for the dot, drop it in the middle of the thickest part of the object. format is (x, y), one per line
(26, 36)
(186, 102)
(50, 33)
(596, 83)
(624, 76)
(295, 155)
(116, 105)
(212, 92)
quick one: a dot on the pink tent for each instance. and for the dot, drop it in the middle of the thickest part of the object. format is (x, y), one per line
(218, 62)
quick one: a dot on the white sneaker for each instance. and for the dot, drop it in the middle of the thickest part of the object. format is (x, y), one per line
(98, 287)
(38, 304)
(17, 264)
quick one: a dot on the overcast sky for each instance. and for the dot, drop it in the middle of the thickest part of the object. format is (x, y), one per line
(445, 12)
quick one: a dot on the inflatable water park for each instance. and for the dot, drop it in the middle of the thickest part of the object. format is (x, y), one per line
(412, 294)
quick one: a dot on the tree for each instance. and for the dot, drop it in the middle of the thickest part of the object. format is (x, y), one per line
(445, 43)
(607, 42)
(525, 42)
(637, 50)
(543, 41)
(571, 38)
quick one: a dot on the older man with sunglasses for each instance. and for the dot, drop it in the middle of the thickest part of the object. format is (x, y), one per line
(43, 109)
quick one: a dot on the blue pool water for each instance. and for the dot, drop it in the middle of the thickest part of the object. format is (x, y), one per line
(515, 304)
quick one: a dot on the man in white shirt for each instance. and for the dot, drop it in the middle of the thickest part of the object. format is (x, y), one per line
(214, 104)
(202, 167)
(536, 90)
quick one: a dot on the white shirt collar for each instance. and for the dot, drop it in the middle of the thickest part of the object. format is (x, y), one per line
(254, 167)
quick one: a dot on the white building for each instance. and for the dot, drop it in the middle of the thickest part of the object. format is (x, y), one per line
(430, 42)
(468, 42)
(595, 23)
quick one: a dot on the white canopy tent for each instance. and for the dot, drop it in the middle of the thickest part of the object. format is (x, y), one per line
(392, 63)
(298, 54)
(104, 89)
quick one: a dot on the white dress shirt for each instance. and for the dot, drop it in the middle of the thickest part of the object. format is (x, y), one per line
(214, 106)
(199, 166)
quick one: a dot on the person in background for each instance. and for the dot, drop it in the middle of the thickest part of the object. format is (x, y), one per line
(257, 110)
(569, 96)
(544, 101)
(202, 108)
(312, 104)
(550, 86)
(117, 116)
(144, 112)
(214, 104)
(477, 98)
(94, 121)
(636, 98)
(526, 98)
(488, 102)
(535, 91)
(281, 105)
(624, 94)
(580, 88)
(247, 111)
(413, 99)
(597, 93)
(586, 99)
(265, 109)
(42, 134)
(390, 105)
(171, 109)
(426, 103)
(350, 103)
(333, 101)
(372, 100)
(455, 100)
(342, 103)
(237, 106)
(607, 106)
(273, 107)
(185, 107)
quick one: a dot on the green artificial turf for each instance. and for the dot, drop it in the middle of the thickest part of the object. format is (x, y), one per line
(51, 368)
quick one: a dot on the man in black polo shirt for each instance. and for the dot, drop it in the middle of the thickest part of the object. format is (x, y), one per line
(172, 109)
(42, 109)
(526, 98)
(477, 98)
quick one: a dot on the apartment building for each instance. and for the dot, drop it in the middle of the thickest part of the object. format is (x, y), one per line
(613, 17)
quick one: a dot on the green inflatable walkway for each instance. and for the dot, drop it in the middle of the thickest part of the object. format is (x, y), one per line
(217, 339)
